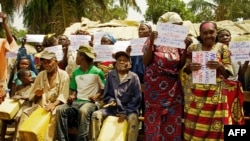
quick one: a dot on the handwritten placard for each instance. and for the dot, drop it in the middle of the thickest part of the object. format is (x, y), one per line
(36, 38)
(57, 50)
(171, 35)
(77, 40)
(204, 75)
(121, 46)
(136, 46)
(240, 51)
(104, 52)
(10, 54)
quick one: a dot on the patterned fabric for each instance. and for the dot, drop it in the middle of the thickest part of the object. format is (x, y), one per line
(206, 108)
(235, 98)
(163, 96)
(106, 66)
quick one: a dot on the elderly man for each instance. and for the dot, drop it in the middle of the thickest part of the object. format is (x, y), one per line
(86, 86)
(50, 89)
(122, 93)
(6, 45)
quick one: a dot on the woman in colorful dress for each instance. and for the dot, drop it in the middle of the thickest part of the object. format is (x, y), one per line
(236, 82)
(163, 94)
(205, 109)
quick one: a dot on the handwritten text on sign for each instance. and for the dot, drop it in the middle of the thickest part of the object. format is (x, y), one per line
(240, 51)
(57, 50)
(136, 46)
(104, 52)
(77, 40)
(204, 75)
(171, 35)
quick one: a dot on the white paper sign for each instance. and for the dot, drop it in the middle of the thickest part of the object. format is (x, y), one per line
(34, 38)
(204, 75)
(171, 35)
(121, 46)
(240, 51)
(98, 37)
(77, 40)
(104, 52)
(57, 50)
(11, 54)
(137, 46)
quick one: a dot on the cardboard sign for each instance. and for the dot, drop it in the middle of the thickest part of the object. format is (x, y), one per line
(104, 52)
(171, 35)
(137, 46)
(240, 51)
(34, 38)
(57, 50)
(77, 40)
(204, 75)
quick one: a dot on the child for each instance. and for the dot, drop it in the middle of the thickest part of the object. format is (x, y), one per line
(23, 63)
(122, 92)
(22, 92)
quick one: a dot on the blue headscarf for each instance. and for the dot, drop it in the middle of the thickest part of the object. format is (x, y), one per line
(110, 37)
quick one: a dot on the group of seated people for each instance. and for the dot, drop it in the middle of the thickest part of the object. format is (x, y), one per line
(79, 89)
(80, 94)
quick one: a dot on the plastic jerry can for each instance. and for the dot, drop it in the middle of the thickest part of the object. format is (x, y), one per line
(9, 108)
(35, 127)
(111, 130)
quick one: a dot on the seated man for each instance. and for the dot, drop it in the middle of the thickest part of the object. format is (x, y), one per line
(86, 86)
(122, 92)
(50, 89)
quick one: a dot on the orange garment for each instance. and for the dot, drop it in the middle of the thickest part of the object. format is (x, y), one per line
(5, 47)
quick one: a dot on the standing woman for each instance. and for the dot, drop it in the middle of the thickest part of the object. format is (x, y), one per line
(163, 94)
(138, 67)
(224, 36)
(236, 83)
(206, 110)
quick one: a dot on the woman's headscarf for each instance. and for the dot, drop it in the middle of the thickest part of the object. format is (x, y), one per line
(110, 37)
(170, 17)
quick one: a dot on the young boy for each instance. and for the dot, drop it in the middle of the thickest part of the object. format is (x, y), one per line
(122, 92)
(22, 93)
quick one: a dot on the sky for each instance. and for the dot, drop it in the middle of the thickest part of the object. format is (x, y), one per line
(132, 14)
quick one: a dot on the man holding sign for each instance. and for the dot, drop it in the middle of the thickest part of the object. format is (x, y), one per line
(6, 45)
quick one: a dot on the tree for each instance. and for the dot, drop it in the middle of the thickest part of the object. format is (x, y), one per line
(218, 10)
(46, 16)
(53, 16)
(202, 9)
(156, 8)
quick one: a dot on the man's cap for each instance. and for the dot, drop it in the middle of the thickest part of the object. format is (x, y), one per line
(88, 50)
(121, 53)
(47, 55)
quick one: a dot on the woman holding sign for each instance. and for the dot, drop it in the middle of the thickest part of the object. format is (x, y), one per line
(206, 107)
(163, 94)
(236, 82)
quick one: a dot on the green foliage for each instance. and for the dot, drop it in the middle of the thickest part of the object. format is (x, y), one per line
(218, 10)
(53, 16)
(156, 8)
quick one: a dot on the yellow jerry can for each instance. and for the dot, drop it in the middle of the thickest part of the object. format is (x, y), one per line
(9, 108)
(112, 130)
(35, 127)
